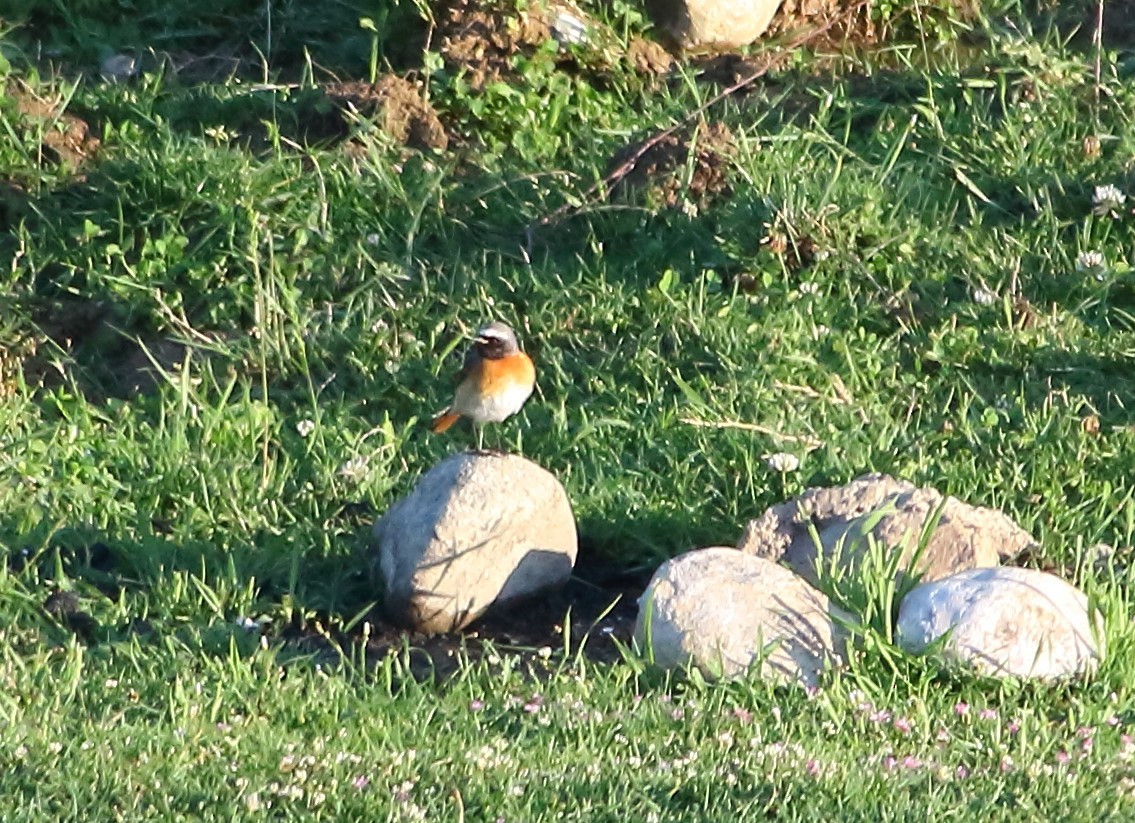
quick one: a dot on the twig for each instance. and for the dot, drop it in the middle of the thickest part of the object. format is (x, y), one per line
(625, 168)
(810, 443)
(1097, 41)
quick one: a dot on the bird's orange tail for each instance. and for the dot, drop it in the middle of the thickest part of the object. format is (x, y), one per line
(444, 421)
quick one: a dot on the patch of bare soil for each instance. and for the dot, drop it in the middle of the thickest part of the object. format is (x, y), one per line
(687, 165)
(19, 349)
(648, 57)
(65, 139)
(797, 252)
(600, 606)
(844, 18)
(402, 111)
(483, 37)
(87, 336)
(851, 24)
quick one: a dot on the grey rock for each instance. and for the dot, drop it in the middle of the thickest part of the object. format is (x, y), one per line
(478, 529)
(118, 67)
(894, 513)
(729, 613)
(721, 24)
(1005, 621)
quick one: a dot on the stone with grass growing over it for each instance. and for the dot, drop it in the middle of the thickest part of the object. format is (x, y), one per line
(833, 528)
(727, 613)
(478, 529)
(1003, 622)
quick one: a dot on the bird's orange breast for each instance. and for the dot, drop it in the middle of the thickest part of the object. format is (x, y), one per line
(505, 373)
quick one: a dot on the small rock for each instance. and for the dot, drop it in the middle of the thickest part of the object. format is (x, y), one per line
(66, 608)
(476, 530)
(568, 27)
(1004, 622)
(118, 67)
(722, 24)
(727, 612)
(894, 512)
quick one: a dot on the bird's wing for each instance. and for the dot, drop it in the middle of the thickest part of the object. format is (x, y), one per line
(471, 359)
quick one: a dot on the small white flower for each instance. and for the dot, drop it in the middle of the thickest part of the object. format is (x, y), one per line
(1091, 262)
(820, 331)
(373, 239)
(984, 297)
(809, 288)
(305, 427)
(219, 134)
(246, 623)
(354, 469)
(1107, 201)
(782, 462)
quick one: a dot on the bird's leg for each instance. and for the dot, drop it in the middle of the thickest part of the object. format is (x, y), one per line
(480, 437)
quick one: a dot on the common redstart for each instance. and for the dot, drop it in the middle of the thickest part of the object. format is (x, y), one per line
(495, 380)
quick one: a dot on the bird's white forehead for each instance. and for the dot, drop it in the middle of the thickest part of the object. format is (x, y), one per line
(492, 333)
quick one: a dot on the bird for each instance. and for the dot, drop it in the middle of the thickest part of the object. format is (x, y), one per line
(495, 381)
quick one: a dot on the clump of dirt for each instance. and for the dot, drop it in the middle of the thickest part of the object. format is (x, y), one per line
(852, 24)
(404, 113)
(65, 139)
(797, 252)
(15, 353)
(601, 603)
(483, 38)
(86, 339)
(648, 57)
(687, 165)
(794, 15)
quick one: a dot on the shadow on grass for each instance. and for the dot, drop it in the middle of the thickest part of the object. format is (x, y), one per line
(323, 610)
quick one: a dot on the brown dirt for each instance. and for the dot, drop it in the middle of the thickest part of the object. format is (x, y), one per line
(405, 114)
(483, 37)
(65, 139)
(661, 172)
(798, 252)
(602, 616)
(845, 19)
(648, 57)
(850, 23)
(86, 334)
(600, 601)
(13, 355)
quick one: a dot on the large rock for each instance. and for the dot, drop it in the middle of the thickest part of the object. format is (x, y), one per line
(722, 24)
(477, 529)
(894, 512)
(1005, 621)
(728, 613)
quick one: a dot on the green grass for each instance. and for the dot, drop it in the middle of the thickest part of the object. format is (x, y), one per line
(223, 220)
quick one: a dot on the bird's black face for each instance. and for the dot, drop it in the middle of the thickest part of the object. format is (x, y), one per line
(495, 341)
(494, 348)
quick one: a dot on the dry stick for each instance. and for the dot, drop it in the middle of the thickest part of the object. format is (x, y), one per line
(627, 166)
(1097, 41)
(810, 443)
